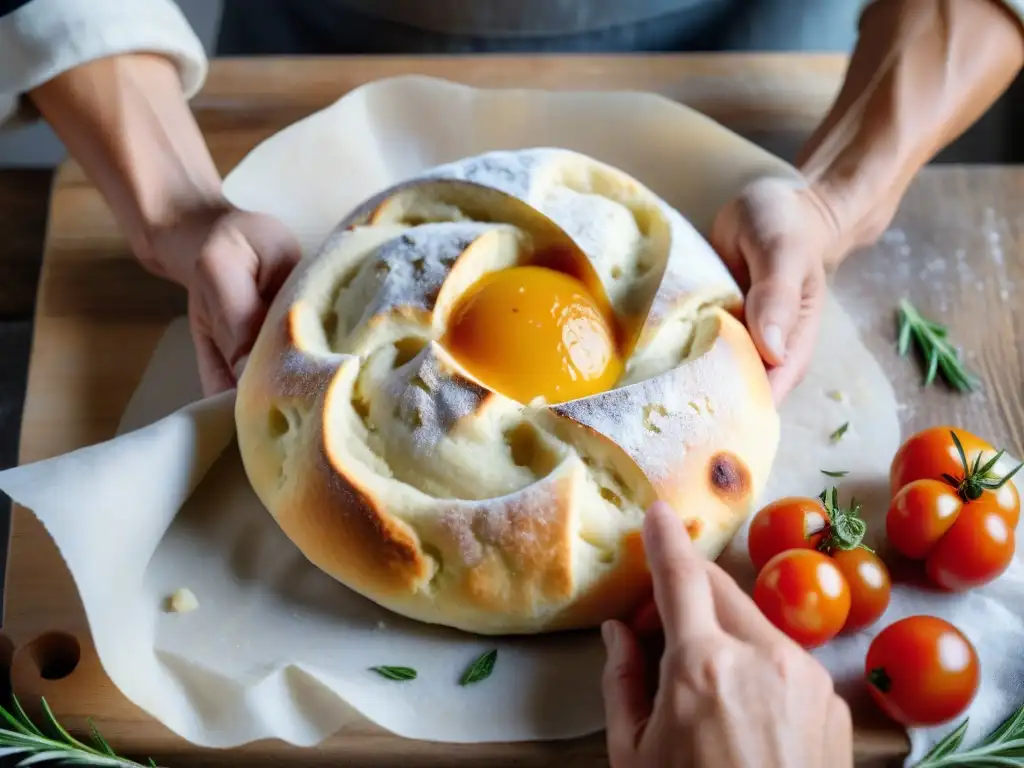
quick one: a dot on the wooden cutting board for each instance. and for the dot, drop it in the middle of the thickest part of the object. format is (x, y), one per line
(99, 317)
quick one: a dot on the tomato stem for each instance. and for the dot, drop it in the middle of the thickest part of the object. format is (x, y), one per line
(978, 477)
(880, 679)
(846, 528)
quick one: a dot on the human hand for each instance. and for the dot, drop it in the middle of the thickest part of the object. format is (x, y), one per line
(777, 238)
(233, 263)
(732, 690)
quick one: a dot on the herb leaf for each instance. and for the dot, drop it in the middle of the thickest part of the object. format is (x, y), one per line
(25, 739)
(835, 472)
(480, 669)
(836, 436)
(1004, 746)
(395, 673)
(931, 340)
(846, 528)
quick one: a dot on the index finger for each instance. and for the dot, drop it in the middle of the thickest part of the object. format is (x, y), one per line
(737, 612)
(682, 591)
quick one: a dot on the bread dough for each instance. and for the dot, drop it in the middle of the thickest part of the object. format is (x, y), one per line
(400, 474)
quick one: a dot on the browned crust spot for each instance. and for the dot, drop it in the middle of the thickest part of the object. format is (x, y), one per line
(729, 476)
(694, 528)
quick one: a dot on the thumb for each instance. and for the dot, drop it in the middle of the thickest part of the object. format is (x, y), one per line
(772, 308)
(626, 704)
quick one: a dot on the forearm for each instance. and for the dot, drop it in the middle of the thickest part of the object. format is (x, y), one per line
(922, 72)
(126, 121)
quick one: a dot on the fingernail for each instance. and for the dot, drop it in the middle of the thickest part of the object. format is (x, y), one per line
(610, 635)
(772, 337)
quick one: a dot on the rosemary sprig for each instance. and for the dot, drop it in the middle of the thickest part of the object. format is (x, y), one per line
(1004, 746)
(24, 738)
(940, 356)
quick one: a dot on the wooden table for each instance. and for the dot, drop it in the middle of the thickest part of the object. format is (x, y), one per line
(99, 316)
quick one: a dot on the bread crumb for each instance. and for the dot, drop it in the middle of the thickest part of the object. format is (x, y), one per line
(381, 625)
(183, 600)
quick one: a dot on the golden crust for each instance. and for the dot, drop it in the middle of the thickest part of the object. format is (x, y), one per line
(396, 472)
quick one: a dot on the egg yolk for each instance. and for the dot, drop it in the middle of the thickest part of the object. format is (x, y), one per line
(531, 332)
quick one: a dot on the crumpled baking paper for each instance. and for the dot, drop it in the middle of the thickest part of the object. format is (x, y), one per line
(277, 648)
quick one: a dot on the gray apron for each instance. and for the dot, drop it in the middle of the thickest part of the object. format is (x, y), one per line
(323, 27)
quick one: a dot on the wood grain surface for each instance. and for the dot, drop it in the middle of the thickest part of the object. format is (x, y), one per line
(955, 248)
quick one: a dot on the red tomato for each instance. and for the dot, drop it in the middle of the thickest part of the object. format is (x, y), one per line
(922, 671)
(794, 522)
(870, 586)
(950, 511)
(977, 549)
(931, 454)
(920, 514)
(803, 593)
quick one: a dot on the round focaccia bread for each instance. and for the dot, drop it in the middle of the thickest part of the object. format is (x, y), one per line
(403, 475)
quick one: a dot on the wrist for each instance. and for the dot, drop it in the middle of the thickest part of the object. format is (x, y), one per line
(154, 242)
(126, 121)
(859, 204)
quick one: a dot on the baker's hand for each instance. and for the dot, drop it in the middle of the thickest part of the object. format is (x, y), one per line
(731, 690)
(777, 238)
(233, 263)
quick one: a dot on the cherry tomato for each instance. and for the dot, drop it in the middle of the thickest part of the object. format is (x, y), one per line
(870, 586)
(977, 549)
(950, 510)
(931, 453)
(794, 522)
(920, 514)
(922, 671)
(803, 593)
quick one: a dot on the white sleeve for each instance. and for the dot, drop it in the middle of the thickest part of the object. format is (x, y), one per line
(45, 38)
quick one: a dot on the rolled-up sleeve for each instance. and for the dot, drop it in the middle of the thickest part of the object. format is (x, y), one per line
(41, 39)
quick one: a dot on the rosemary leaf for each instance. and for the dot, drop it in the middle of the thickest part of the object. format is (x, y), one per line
(395, 673)
(24, 719)
(939, 355)
(835, 472)
(64, 735)
(933, 368)
(101, 743)
(949, 744)
(480, 669)
(903, 344)
(836, 436)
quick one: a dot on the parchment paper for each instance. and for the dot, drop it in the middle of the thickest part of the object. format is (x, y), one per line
(278, 649)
